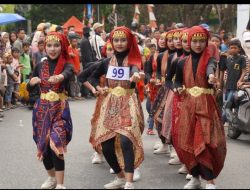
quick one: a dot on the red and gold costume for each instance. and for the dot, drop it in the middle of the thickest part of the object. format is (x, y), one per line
(198, 134)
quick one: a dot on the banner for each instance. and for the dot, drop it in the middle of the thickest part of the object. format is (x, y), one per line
(89, 9)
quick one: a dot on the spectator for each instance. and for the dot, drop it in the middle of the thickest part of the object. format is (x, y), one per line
(96, 41)
(162, 28)
(224, 45)
(71, 29)
(222, 33)
(15, 64)
(25, 61)
(11, 80)
(20, 38)
(87, 54)
(59, 29)
(37, 56)
(74, 86)
(6, 42)
(13, 38)
(236, 69)
(39, 36)
(2, 87)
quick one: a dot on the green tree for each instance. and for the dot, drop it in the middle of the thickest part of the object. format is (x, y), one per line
(54, 13)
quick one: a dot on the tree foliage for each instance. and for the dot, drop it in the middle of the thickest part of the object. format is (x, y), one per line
(189, 14)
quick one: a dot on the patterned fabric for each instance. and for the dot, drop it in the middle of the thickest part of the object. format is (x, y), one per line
(167, 117)
(200, 137)
(118, 115)
(51, 121)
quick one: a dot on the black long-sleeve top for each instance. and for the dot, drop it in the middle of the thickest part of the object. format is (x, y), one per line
(159, 60)
(172, 67)
(102, 68)
(211, 68)
(67, 72)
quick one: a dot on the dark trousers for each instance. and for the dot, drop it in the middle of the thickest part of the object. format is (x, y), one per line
(108, 149)
(207, 174)
(50, 161)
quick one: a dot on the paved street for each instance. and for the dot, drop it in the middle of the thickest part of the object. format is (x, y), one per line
(20, 169)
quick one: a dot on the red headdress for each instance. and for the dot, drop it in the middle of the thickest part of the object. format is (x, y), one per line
(64, 56)
(184, 35)
(178, 33)
(134, 56)
(198, 32)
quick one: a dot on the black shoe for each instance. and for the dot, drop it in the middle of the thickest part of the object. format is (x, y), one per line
(1, 115)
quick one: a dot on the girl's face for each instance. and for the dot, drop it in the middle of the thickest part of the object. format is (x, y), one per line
(170, 43)
(216, 41)
(120, 44)
(53, 49)
(9, 59)
(162, 43)
(5, 38)
(198, 45)
(177, 43)
(42, 36)
(13, 37)
(185, 45)
(16, 55)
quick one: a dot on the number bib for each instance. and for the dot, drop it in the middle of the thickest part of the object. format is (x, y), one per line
(118, 73)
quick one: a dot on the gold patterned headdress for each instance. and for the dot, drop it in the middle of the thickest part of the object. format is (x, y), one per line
(170, 34)
(184, 36)
(119, 34)
(52, 38)
(177, 34)
(199, 36)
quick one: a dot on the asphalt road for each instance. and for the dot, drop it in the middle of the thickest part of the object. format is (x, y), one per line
(20, 169)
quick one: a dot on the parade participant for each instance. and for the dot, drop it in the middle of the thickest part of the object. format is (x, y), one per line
(153, 84)
(200, 139)
(160, 147)
(52, 125)
(180, 41)
(158, 107)
(116, 130)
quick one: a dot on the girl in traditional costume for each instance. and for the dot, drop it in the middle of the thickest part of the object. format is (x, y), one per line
(117, 128)
(52, 124)
(199, 137)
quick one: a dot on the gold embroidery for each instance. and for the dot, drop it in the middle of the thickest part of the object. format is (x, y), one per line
(184, 36)
(197, 91)
(199, 36)
(52, 38)
(170, 35)
(53, 96)
(177, 34)
(119, 34)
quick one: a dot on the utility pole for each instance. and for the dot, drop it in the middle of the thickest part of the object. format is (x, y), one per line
(29, 26)
(98, 12)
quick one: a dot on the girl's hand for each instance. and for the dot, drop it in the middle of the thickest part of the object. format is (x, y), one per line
(212, 79)
(34, 81)
(135, 78)
(56, 79)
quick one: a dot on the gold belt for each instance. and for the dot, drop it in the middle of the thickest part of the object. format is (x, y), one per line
(119, 91)
(197, 91)
(53, 96)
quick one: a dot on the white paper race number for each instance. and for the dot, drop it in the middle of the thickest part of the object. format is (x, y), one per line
(118, 73)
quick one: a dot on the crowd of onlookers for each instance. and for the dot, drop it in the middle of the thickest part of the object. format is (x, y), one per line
(19, 54)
